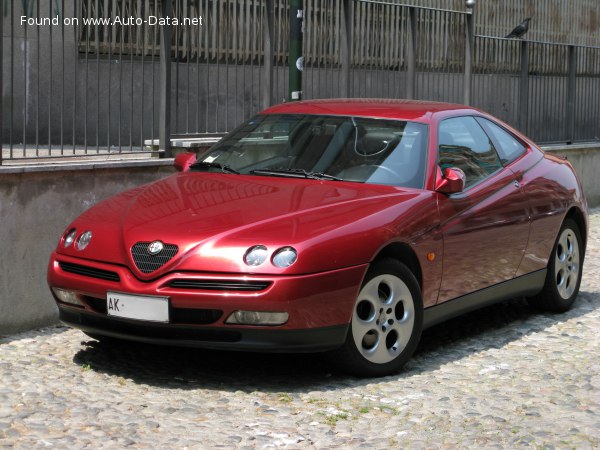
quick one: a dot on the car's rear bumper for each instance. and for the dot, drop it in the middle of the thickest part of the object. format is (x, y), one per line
(222, 338)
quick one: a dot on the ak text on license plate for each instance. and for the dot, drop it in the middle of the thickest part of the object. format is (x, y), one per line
(154, 309)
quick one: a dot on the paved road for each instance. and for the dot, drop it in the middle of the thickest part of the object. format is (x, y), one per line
(503, 377)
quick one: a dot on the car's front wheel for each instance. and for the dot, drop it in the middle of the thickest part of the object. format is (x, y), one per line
(564, 270)
(386, 322)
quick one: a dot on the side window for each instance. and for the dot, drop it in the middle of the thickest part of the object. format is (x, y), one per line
(462, 143)
(509, 147)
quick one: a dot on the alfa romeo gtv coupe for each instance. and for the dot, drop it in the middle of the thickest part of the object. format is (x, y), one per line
(335, 225)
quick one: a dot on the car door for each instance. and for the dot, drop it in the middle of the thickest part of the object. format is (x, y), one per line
(485, 227)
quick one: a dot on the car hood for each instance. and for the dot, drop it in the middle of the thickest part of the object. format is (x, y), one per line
(214, 218)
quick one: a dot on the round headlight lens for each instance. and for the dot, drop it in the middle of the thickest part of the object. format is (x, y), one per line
(84, 240)
(256, 255)
(69, 237)
(285, 257)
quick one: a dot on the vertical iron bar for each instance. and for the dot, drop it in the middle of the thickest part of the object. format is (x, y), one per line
(62, 86)
(37, 109)
(252, 15)
(418, 80)
(108, 37)
(207, 67)
(25, 86)
(571, 91)
(97, 40)
(164, 133)
(175, 50)
(524, 88)
(142, 12)
(12, 61)
(62, 81)
(153, 90)
(296, 62)
(50, 89)
(227, 59)
(85, 89)
(318, 48)
(346, 47)
(198, 96)
(411, 53)
(120, 115)
(218, 58)
(75, 72)
(597, 96)
(469, 42)
(2, 86)
(187, 48)
(131, 52)
(236, 69)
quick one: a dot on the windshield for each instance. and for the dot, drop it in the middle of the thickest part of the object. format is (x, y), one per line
(324, 147)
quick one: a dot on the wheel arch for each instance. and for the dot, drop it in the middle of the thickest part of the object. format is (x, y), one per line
(578, 217)
(403, 253)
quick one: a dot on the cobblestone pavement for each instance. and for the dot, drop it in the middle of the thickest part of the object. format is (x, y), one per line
(503, 377)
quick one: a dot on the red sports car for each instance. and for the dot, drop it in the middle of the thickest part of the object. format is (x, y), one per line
(332, 225)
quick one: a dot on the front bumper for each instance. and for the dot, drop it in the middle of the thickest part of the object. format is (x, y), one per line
(319, 306)
(217, 338)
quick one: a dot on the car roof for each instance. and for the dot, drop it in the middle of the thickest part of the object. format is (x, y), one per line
(414, 110)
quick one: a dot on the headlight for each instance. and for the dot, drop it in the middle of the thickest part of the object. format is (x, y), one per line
(84, 240)
(69, 237)
(256, 255)
(285, 257)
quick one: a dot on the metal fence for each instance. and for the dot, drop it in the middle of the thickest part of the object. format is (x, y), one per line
(80, 88)
(549, 91)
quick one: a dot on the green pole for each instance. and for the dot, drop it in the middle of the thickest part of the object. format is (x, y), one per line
(296, 63)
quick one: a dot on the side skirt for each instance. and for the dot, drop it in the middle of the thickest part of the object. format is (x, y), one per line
(525, 285)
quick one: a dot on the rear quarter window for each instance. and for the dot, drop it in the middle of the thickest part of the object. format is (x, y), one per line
(508, 147)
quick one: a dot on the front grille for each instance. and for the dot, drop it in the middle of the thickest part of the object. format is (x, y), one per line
(89, 271)
(194, 316)
(148, 263)
(221, 285)
(97, 304)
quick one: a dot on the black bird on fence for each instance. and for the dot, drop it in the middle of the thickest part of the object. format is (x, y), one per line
(520, 29)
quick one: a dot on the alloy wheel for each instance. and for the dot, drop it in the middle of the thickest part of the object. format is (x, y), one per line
(566, 265)
(383, 319)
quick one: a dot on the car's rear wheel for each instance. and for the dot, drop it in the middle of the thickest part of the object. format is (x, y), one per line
(564, 270)
(386, 323)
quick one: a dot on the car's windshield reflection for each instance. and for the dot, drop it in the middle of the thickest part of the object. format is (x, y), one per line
(324, 147)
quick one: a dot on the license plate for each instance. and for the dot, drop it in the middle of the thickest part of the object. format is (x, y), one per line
(154, 309)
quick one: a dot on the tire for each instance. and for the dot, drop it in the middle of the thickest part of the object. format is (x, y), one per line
(564, 271)
(386, 323)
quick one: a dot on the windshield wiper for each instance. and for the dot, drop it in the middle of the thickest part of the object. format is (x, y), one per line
(295, 173)
(212, 165)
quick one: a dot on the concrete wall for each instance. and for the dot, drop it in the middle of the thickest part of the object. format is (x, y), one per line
(35, 207)
(585, 158)
(37, 203)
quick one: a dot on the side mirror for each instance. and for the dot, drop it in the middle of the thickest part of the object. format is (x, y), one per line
(183, 161)
(452, 182)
